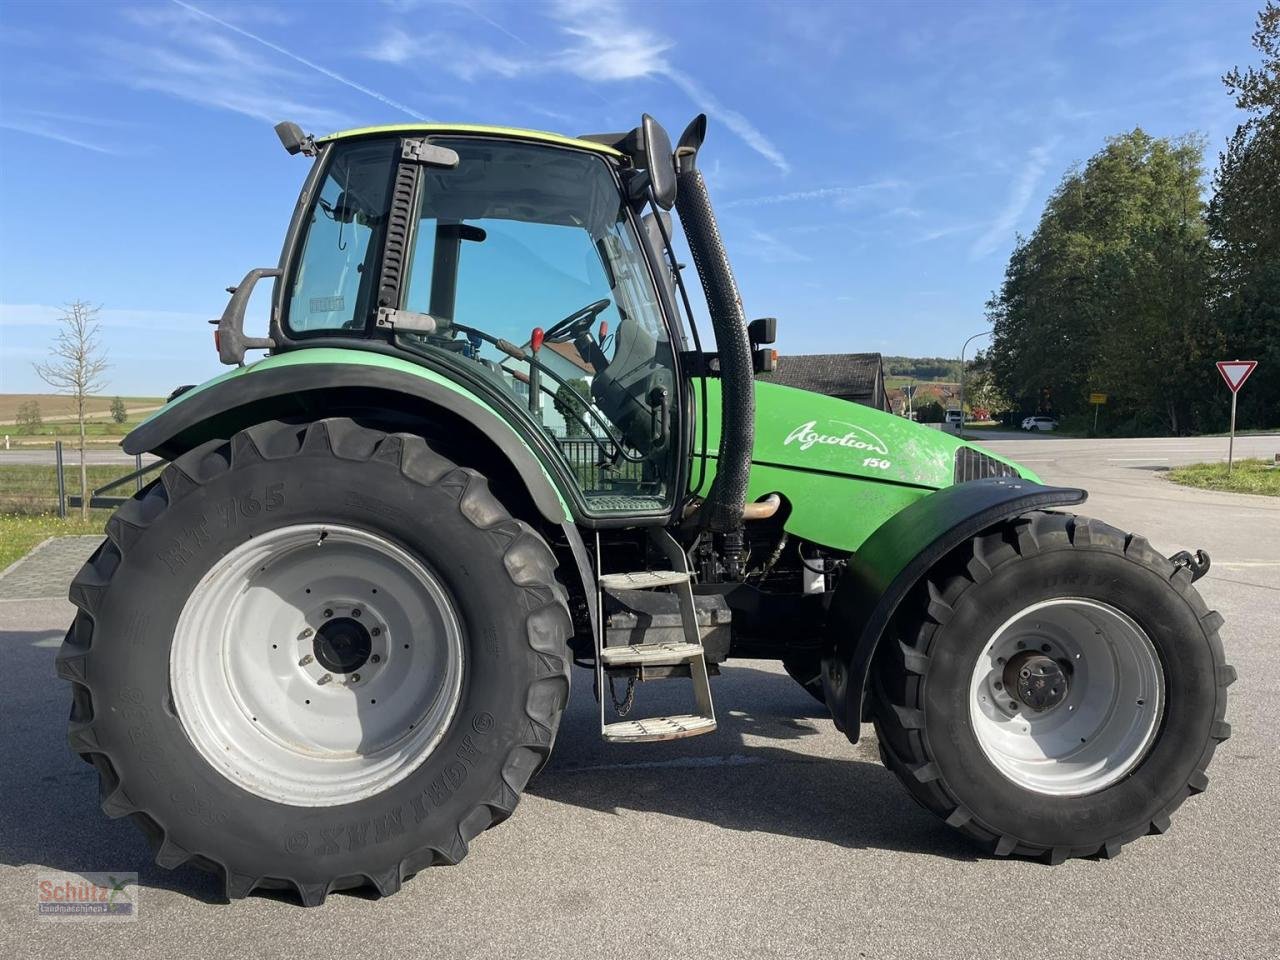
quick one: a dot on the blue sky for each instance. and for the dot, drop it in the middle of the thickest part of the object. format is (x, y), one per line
(871, 163)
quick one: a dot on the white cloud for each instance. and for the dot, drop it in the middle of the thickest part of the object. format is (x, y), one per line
(48, 131)
(767, 247)
(842, 195)
(604, 46)
(1020, 195)
(325, 71)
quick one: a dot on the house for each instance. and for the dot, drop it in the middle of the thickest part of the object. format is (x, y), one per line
(850, 376)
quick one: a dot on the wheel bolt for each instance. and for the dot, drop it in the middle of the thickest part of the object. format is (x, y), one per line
(998, 685)
(305, 660)
(305, 633)
(328, 613)
(325, 679)
(355, 678)
(1044, 647)
(376, 658)
(355, 612)
(1013, 706)
(376, 632)
(1021, 644)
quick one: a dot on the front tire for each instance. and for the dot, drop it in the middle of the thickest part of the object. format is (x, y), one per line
(316, 657)
(1057, 690)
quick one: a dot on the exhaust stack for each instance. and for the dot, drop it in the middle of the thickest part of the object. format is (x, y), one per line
(722, 510)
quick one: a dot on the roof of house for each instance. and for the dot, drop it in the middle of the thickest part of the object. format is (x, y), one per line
(833, 374)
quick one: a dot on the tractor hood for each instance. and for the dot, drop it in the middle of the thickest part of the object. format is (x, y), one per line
(799, 430)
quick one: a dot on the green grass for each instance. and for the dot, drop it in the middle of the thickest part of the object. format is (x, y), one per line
(33, 489)
(20, 532)
(1247, 476)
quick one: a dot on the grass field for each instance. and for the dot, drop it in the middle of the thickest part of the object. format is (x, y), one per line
(56, 405)
(20, 532)
(1247, 476)
(29, 503)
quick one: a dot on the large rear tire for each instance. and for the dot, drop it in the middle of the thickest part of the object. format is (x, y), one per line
(1057, 689)
(316, 657)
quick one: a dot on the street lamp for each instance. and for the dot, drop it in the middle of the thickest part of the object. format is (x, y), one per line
(984, 333)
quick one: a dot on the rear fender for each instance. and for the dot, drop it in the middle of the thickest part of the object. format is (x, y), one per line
(316, 383)
(881, 574)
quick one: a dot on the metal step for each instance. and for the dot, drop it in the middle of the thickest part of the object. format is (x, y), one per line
(656, 653)
(650, 654)
(643, 579)
(658, 728)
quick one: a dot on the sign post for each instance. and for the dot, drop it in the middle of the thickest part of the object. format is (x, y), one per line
(1097, 399)
(1235, 372)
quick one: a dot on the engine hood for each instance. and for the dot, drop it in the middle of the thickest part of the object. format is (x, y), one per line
(799, 430)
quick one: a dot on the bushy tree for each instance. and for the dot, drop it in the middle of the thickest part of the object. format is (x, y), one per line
(570, 400)
(1244, 226)
(29, 419)
(1108, 292)
(119, 413)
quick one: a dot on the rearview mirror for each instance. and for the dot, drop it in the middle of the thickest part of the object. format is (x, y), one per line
(659, 162)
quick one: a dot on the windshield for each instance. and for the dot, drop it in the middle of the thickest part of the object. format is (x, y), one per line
(526, 258)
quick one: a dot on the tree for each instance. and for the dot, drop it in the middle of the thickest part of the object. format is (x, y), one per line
(119, 413)
(570, 401)
(76, 368)
(29, 419)
(1244, 226)
(1109, 291)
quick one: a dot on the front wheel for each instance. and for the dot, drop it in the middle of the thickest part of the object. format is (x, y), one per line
(316, 656)
(1057, 690)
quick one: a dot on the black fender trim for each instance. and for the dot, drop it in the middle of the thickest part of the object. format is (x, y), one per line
(892, 561)
(223, 408)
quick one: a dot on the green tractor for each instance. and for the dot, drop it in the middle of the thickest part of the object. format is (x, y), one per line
(331, 643)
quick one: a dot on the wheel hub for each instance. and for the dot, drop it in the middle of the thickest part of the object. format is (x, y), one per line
(342, 645)
(1039, 681)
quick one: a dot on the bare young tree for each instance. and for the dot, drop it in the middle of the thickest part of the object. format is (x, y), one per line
(75, 367)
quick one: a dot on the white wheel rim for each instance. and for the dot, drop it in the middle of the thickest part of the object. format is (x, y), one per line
(267, 671)
(1110, 709)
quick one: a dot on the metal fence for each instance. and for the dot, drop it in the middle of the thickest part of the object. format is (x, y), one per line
(97, 499)
(593, 468)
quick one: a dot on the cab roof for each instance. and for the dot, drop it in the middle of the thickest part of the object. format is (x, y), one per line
(512, 133)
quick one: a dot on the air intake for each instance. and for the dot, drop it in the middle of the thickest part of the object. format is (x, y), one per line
(973, 464)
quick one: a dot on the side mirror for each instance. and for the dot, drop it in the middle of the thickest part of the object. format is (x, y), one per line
(658, 162)
(762, 331)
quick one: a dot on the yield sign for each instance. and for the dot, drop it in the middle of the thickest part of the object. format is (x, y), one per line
(1236, 372)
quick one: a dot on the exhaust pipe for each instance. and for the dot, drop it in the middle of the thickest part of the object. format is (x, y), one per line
(722, 510)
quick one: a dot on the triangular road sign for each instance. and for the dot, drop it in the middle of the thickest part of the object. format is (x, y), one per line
(1236, 372)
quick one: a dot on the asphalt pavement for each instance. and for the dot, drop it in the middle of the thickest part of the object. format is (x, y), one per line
(772, 837)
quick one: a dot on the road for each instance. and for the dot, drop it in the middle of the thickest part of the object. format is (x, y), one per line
(773, 837)
(70, 456)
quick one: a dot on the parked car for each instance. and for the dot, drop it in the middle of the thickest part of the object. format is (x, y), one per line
(1039, 423)
(953, 417)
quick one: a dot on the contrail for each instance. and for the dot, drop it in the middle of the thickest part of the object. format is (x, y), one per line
(302, 60)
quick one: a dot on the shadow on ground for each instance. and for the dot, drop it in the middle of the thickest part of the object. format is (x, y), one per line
(775, 766)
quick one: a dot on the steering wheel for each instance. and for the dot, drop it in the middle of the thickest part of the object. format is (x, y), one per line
(576, 323)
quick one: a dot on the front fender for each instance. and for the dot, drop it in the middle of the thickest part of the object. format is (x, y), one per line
(310, 383)
(881, 574)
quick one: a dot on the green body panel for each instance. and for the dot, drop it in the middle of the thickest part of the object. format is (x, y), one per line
(845, 468)
(321, 357)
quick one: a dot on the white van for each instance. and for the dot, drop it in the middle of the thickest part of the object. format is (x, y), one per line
(953, 417)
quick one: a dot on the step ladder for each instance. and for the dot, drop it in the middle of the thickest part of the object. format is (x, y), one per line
(664, 654)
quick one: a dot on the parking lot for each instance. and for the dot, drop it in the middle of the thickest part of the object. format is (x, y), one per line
(772, 837)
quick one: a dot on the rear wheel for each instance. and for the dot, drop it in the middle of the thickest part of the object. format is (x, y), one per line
(1058, 689)
(316, 656)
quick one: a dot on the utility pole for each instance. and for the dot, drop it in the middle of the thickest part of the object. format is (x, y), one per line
(984, 333)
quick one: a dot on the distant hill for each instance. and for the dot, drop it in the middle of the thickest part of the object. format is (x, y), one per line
(923, 368)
